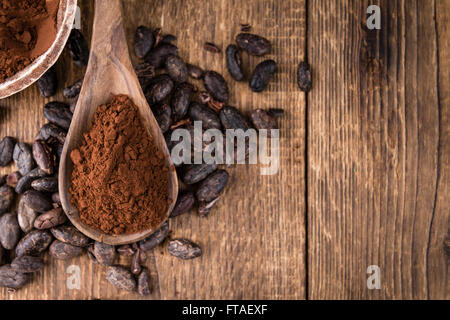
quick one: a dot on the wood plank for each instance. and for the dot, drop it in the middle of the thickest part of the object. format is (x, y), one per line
(378, 165)
(254, 240)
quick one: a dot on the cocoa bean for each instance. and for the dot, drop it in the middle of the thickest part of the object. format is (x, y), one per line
(70, 235)
(216, 86)
(34, 243)
(44, 156)
(9, 278)
(121, 278)
(9, 231)
(64, 251)
(104, 253)
(26, 217)
(262, 75)
(6, 151)
(37, 201)
(155, 239)
(27, 264)
(50, 219)
(185, 203)
(253, 44)
(58, 113)
(47, 184)
(212, 187)
(144, 283)
(143, 41)
(23, 158)
(184, 249)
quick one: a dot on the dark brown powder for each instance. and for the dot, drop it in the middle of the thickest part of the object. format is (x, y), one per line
(119, 182)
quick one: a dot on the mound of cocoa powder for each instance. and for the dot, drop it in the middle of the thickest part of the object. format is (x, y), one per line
(27, 29)
(119, 182)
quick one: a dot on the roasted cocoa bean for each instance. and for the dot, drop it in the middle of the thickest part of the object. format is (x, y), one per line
(26, 217)
(144, 283)
(27, 264)
(51, 130)
(58, 113)
(209, 119)
(23, 158)
(13, 178)
(121, 278)
(232, 118)
(253, 44)
(159, 88)
(262, 119)
(64, 251)
(194, 71)
(180, 101)
(158, 55)
(34, 243)
(262, 75)
(48, 83)
(104, 253)
(6, 151)
(25, 182)
(198, 172)
(73, 91)
(143, 41)
(70, 235)
(9, 231)
(304, 79)
(216, 86)
(185, 203)
(234, 62)
(176, 68)
(136, 263)
(145, 73)
(163, 115)
(77, 48)
(184, 249)
(212, 187)
(204, 208)
(9, 278)
(6, 198)
(37, 201)
(47, 184)
(155, 239)
(44, 157)
(50, 219)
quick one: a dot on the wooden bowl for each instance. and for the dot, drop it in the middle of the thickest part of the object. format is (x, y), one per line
(26, 77)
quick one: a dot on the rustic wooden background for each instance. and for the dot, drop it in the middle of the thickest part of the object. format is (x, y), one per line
(364, 171)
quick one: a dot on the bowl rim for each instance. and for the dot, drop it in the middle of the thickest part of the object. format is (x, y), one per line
(29, 75)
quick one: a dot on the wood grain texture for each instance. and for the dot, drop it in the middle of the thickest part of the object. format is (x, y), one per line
(378, 171)
(254, 240)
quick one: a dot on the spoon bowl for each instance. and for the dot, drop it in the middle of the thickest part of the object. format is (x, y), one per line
(109, 73)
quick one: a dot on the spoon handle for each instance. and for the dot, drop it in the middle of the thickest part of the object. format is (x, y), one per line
(109, 44)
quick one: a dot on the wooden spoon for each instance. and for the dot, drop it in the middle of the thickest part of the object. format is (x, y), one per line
(109, 73)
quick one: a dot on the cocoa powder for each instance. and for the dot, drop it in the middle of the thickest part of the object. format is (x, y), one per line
(120, 181)
(27, 29)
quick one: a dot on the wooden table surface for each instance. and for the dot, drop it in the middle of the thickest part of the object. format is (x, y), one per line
(364, 159)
